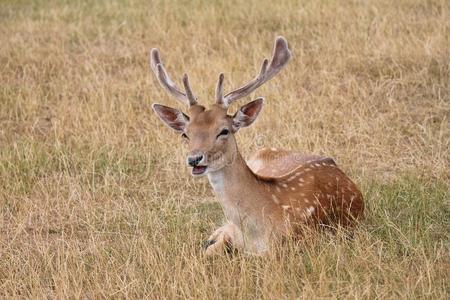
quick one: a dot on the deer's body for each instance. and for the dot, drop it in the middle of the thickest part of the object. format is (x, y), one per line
(277, 192)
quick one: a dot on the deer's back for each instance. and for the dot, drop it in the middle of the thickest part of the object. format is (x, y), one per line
(308, 187)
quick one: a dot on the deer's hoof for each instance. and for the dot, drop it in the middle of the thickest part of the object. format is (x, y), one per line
(208, 243)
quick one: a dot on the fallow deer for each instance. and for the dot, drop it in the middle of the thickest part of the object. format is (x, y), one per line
(276, 192)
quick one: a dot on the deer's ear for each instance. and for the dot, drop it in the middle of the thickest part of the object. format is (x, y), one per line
(172, 117)
(247, 114)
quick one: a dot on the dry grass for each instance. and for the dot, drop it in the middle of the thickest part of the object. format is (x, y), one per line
(95, 202)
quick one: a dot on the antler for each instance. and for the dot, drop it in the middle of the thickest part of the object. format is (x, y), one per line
(167, 83)
(281, 55)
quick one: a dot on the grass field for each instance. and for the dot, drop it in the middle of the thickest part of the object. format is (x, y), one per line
(95, 200)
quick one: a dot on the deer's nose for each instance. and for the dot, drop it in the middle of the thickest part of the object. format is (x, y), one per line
(194, 160)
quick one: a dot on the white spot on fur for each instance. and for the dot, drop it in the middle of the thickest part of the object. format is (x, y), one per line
(275, 199)
(284, 185)
(292, 188)
(310, 211)
(285, 207)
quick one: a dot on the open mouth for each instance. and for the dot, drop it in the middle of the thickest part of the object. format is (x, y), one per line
(199, 170)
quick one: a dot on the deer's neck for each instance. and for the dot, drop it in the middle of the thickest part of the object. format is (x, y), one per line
(237, 189)
(234, 176)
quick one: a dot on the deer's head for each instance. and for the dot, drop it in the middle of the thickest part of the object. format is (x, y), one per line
(209, 133)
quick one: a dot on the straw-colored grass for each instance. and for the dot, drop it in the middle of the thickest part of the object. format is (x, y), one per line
(95, 200)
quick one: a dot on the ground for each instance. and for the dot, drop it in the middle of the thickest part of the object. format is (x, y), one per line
(95, 200)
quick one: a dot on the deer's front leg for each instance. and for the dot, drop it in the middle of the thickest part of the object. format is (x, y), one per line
(224, 239)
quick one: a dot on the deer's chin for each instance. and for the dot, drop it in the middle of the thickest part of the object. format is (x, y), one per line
(199, 170)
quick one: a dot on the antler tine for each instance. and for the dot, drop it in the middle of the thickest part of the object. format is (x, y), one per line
(219, 90)
(166, 82)
(280, 57)
(190, 95)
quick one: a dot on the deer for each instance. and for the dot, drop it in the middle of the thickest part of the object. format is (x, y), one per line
(273, 195)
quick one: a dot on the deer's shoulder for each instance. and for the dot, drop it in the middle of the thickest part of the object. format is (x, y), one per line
(273, 163)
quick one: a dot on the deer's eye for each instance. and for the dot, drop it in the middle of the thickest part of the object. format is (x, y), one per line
(184, 136)
(223, 132)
